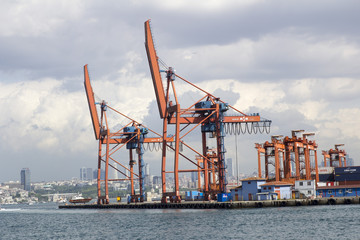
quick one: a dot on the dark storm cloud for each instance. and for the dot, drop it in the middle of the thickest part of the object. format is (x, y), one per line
(225, 26)
(101, 33)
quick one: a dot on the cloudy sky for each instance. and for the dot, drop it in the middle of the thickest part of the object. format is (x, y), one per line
(296, 63)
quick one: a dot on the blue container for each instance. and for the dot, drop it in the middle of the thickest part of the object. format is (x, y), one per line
(194, 193)
(222, 197)
(229, 197)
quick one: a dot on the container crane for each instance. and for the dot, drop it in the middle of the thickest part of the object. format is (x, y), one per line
(274, 150)
(335, 157)
(133, 135)
(295, 149)
(209, 113)
(261, 153)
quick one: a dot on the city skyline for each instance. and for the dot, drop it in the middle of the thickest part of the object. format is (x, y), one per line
(294, 63)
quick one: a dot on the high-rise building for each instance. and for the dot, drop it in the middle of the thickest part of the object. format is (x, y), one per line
(89, 174)
(156, 180)
(82, 173)
(147, 169)
(25, 179)
(229, 166)
(102, 174)
(349, 161)
(194, 177)
(86, 174)
(115, 171)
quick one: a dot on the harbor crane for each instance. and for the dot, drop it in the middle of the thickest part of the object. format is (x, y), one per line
(293, 158)
(133, 135)
(208, 113)
(335, 157)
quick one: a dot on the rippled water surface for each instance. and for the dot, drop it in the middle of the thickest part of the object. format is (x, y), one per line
(46, 221)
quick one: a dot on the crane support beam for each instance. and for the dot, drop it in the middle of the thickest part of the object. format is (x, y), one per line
(155, 70)
(91, 102)
(227, 119)
(146, 140)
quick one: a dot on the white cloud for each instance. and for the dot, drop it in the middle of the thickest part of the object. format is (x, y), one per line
(41, 114)
(293, 65)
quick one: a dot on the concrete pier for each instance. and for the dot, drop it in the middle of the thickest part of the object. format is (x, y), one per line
(220, 205)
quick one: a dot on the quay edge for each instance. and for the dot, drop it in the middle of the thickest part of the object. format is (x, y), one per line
(220, 205)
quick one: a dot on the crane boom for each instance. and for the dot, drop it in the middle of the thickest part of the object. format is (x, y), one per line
(91, 102)
(155, 70)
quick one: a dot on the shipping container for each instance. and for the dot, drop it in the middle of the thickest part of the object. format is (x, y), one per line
(328, 177)
(347, 177)
(347, 170)
(325, 170)
(222, 197)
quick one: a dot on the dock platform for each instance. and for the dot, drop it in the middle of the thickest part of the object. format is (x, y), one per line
(219, 205)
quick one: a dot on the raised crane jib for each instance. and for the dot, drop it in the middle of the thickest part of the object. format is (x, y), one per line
(91, 102)
(155, 70)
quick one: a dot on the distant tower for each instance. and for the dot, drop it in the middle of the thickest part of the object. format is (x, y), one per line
(115, 172)
(229, 167)
(25, 179)
(102, 174)
(83, 173)
(86, 174)
(157, 180)
(89, 174)
(349, 161)
(147, 169)
(194, 177)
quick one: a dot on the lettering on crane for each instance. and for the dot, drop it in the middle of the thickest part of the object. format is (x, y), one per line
(240, 119)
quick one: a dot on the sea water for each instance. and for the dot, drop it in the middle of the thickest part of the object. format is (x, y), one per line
(46, 221)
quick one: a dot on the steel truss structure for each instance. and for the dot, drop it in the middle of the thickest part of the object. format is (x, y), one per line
(335, 157)
(207, 113)
(133, 135)
(292, 158)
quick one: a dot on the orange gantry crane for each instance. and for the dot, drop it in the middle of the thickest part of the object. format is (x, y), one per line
(208, 112)
(335, 157)
(133, 135)
(274, 150)
(292, 158)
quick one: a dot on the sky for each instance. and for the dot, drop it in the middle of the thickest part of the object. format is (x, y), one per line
(294, 62)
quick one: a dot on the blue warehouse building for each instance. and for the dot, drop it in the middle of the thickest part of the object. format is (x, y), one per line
(339, 191)
(248, 190)
(254, 188)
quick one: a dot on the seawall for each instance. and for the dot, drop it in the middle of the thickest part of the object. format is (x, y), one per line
(220, 205)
